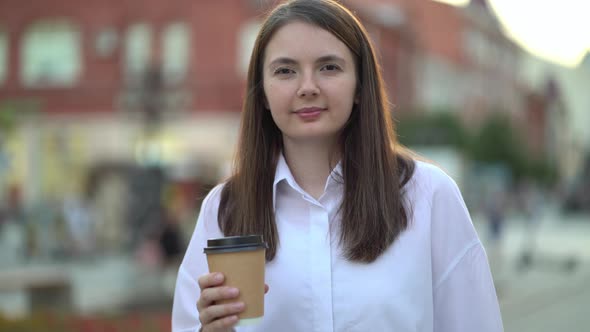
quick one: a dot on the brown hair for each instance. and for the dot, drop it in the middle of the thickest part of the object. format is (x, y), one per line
(375, 168)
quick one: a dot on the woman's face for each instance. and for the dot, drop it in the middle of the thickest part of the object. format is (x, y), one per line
(309, 82)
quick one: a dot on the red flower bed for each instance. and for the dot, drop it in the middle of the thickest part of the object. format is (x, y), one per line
(132, 322)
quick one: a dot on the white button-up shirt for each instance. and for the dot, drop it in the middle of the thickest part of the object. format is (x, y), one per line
(434, 277)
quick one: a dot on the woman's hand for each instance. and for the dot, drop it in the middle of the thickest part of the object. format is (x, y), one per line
(218, 317)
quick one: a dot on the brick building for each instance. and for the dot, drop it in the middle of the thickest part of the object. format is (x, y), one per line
(466, 63)
(86, 72)
(449, 58)
(80, 76)
(105, 49)
(93, 56)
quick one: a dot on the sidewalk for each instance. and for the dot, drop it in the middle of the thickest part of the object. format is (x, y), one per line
(550, 292)
(553, 235)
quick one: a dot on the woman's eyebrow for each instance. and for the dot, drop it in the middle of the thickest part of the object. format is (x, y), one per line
(282, 61)
(322, 59)
(330, 58)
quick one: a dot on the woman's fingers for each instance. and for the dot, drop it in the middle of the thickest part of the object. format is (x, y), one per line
(214, 316)
(206, 281)
(210, 280)
(220, 311)
(211, 295)
(224, 324)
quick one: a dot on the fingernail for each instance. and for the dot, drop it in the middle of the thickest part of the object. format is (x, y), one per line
(233, 291)
(238, 305)
(218, 277)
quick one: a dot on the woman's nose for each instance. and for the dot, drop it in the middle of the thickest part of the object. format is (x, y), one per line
(308, 87)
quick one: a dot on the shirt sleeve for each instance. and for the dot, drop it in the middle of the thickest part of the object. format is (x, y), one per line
(185, 316)
(464, 295)
(466, 299)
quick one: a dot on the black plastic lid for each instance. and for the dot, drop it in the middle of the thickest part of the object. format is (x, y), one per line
(234, 243)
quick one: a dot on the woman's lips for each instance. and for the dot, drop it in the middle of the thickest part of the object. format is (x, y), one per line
(309, 113)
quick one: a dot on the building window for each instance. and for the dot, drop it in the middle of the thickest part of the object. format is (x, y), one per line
(138, 45)
(3, 55)
(176, 52)
(51, 54)
(105, 42)
(247, 37)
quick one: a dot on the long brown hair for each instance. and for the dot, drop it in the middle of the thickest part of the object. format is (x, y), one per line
(375, 168)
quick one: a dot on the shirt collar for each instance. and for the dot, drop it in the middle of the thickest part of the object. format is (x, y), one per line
(284, 173)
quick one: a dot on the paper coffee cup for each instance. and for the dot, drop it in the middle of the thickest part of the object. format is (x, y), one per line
(241, 259)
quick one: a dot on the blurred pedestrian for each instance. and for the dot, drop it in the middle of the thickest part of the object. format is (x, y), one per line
(170, 240)
(495, 212)
(531, 199)
(80, 226)
(361, 236)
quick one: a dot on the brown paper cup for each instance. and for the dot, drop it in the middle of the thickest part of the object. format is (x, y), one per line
(241, 259)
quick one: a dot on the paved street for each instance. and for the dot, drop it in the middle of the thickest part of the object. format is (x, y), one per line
(558, 305)
(553, 292)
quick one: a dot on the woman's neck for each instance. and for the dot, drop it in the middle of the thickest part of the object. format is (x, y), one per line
(311, 164)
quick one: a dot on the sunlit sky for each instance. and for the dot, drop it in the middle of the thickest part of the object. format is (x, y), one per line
(557, 30)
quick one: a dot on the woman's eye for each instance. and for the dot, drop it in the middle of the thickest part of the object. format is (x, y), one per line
(283, 71)
(330, 67)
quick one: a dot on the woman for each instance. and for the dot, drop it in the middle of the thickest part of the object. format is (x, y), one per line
(361, 236)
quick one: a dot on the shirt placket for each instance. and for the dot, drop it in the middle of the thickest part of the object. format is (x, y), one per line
(321, 267)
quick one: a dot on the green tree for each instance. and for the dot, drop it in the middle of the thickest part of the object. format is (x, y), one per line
(436, 128)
